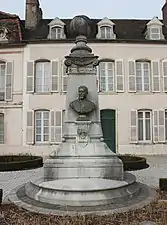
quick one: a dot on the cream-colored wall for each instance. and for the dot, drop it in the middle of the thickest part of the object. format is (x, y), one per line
(13, 109)
(122, 102)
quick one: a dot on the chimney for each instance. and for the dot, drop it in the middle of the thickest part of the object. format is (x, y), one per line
(164, 13)
(33, 14)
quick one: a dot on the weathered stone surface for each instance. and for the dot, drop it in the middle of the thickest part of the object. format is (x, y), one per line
(147, 223)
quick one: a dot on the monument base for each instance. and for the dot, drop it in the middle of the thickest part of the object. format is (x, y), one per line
(82, 196)
(80, 160)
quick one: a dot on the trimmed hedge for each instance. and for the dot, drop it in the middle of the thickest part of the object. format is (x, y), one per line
(20, 162)
(163, 184)
(1, 196)
(132, 163)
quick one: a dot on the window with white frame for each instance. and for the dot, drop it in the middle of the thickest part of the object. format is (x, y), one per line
(166, 125)
(107, 76)
(106, 32)
(155, 33)
(142, 76)
(42, 77)
(141, 126)
(1, 128)
(144, 126)
(2, 80)
(56, 32)
(42, 126)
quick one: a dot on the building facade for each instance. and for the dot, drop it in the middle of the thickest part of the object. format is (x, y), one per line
(131, 82)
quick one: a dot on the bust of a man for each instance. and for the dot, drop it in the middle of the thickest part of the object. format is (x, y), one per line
(82, 105)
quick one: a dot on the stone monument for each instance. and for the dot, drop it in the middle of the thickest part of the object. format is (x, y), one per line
(82, 175)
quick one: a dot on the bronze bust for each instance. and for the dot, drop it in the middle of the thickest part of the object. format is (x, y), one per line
(82, 105)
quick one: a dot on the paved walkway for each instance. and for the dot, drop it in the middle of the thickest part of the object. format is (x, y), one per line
(150, 176)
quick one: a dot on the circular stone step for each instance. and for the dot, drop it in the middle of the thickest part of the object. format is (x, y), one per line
(83, 191)
(83, 184)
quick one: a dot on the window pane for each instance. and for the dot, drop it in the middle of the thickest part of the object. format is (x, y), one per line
(42, 126)
(140, 130)
(38, 130)
(147, 114)
(140, 115)
(46, 130)
(43, 77)
(148, 130)
(46, 137)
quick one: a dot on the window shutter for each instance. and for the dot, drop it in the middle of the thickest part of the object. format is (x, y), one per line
(161, 126)
(119, 76)
(155, 126)
(63, 119)
(30, 127)
(58, 126)
(30, 77)
(64, 78)
(52, 127)
(98, 78)
(2, 129)
(132, 76)
(164, 73)
(9, 81)
(133, 133)
(55, 76)
(155, 70)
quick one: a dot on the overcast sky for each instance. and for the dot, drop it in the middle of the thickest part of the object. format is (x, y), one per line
(92, 8)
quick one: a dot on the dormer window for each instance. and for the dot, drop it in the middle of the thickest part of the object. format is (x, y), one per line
(56, 30)
(155, 33)
(106, 29)
(154, 30)
(106, 32)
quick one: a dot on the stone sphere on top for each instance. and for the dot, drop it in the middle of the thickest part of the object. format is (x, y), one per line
(80, 25)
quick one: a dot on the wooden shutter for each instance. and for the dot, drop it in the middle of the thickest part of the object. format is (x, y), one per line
(155, 72)
(155, 126)
(30, 77)
(133, 133)
(164, 74)
(2, 128)
(52, 127)
(63, 119)
(30, 127)
(119, 76)
(64, 78)
(55, 76)
(98, 78)
(9, 81)
(132, 76)
(159, 126)
(58, 126)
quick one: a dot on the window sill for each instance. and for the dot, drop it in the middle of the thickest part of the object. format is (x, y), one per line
(110, 93)
(143, 143)
(44, 93)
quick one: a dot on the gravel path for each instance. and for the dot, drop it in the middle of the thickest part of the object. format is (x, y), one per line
(150, 176)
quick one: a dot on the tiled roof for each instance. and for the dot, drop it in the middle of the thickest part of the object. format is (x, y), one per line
(126, 29)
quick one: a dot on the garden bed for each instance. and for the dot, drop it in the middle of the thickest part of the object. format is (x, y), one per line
(155, 212)
(20, 162)
(132, 163)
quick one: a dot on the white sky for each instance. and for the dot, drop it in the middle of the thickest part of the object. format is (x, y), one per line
(126, 9)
